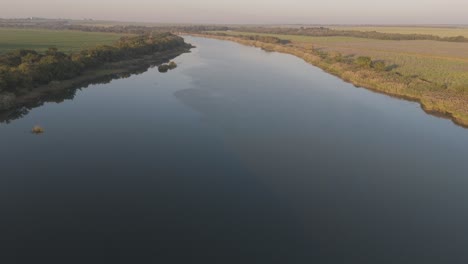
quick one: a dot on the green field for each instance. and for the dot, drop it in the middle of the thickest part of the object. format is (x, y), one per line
(40, 40)
(436, 61)
(437, 31)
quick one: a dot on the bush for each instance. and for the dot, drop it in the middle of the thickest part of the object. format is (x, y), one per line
(379, 66)
(364, 62)
(336, 56)
(163, 68)
(172, 65)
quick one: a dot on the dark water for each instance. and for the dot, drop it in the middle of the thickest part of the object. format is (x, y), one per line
(237, 156)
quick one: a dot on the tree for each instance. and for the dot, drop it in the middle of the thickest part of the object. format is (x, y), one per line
(27, 68)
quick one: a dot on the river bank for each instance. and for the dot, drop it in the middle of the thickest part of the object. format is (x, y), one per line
(13, 105)
(433, 99)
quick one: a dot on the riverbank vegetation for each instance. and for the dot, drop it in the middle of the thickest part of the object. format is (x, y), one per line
(26, 69)
(14, 106)
(449, 98)
(166, 67)
(28, 77)
(444, 63)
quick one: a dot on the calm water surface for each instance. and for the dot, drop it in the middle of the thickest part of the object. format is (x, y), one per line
(236, 156)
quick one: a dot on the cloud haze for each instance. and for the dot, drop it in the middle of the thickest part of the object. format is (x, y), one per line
(247, 11)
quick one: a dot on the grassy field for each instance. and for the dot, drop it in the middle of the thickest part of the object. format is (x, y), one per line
(445, 63)
(437, 31)
(40, 40)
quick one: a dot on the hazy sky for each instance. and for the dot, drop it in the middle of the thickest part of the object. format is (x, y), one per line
(247, 11)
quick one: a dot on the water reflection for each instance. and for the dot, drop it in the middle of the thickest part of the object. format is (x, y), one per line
(23, 107)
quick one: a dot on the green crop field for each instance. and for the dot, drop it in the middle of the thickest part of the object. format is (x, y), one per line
(40, 40)
(436, 61)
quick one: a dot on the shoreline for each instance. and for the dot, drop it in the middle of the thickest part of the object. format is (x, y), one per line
(19, 105)
(444, 104)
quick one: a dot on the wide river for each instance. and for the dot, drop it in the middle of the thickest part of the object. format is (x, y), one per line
(237, 156)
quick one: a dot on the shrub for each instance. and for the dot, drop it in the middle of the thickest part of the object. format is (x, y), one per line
(379, 66)
(364, 62)
(172, 65)
(163, 68)
(336, 56)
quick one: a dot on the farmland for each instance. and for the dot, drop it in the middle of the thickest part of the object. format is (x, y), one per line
(444, 63)
(40, 40)
(437, 31)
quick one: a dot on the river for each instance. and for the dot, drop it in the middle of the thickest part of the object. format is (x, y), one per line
(237, 156)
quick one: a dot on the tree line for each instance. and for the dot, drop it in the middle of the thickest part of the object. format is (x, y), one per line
(63, 24)
(266, 39)
(60, 24)
(328, 32)
(28, 68)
